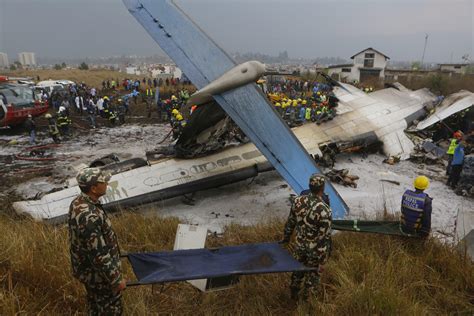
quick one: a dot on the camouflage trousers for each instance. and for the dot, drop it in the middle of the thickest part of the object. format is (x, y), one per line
(103, 302)
(309, 279)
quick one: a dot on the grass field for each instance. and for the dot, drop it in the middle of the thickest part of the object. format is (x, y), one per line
(367, 274)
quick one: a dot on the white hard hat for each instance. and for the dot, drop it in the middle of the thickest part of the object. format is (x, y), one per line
(62, 108)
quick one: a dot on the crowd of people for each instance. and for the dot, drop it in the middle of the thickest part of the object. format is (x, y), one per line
(111, 103)
(305, 102)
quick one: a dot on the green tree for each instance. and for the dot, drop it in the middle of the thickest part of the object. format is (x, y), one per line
(416, 65)
(438, 84)
(12, 67)
(57, 67)
(83, 66)
(63, 65)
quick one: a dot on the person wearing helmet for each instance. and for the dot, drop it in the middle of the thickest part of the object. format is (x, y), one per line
(457, 164)
(175, 112)
(416, 209)
(53, 128)
(457, 137)
(30, 126)
(311, 218)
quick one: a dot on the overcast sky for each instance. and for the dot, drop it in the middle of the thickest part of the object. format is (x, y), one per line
(304, 28)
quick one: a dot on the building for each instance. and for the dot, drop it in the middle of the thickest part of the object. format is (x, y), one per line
(166, 71)
(367, 64)
(454, 68)
(4, 60)
(27, 59)
(132, 70)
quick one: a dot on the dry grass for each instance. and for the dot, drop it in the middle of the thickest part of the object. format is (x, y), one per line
(367, 274)
(441, 83)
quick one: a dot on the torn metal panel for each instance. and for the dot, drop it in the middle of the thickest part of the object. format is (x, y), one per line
(453, 104)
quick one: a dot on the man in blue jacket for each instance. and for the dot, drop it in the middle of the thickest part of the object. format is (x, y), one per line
(416, 209)
(456, 164)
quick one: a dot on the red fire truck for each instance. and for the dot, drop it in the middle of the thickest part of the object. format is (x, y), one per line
(17, 101)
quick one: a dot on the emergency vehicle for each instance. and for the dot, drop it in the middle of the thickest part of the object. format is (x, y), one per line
(17, 101)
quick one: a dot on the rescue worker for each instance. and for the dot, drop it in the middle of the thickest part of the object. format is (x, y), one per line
(311, 217)
(122, 110)
(308, 114)
(457, 136)
(63, 121)
(53, 128)
(30, 126)
(416, 209)
(112, 116)
(94, 249)
(177, 125)
(457, 164)
(278, 107)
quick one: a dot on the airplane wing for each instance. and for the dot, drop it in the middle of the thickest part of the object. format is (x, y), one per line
(203, 62)
(465, 101)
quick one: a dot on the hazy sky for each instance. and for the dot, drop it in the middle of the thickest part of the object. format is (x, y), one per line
(304, 28)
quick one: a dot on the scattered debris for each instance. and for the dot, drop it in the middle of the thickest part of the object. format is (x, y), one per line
(342, 177)
(427, 152)
(392, 160)
(390, 181)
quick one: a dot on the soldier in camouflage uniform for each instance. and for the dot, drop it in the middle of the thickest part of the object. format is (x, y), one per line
(311, 217)
(95, 253)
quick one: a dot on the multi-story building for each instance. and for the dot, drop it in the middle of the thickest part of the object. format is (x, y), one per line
(369, 63)
(27, 59)
(4, 60)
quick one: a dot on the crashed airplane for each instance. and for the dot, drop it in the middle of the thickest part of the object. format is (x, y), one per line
(362, 119)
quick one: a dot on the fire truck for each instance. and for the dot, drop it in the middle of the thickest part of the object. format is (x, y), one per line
(17, 101)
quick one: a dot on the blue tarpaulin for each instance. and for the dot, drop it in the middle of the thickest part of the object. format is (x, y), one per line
(180, 265)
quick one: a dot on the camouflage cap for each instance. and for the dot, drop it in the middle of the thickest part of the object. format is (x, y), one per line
(91, 176)
(316, 180)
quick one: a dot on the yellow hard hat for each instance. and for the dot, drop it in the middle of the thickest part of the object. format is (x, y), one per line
(175, 111)
(179, 117)
(106, 98)
(421, 183)
(304, 102)
(278, 104)
(299, 99)
(173, 97)
(295, 102)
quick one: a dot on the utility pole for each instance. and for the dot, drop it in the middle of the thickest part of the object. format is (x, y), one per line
(424, 50)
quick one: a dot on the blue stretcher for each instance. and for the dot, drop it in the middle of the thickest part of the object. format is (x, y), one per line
(181, 265)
